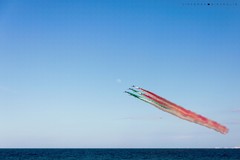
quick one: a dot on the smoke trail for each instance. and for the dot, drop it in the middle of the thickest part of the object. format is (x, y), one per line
(175, 109)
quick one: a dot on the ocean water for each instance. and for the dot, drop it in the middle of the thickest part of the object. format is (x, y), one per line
(119, 154)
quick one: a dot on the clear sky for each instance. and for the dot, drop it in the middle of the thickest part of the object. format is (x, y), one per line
(64, 67)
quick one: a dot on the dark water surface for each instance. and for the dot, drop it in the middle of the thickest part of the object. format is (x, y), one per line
(119, 154)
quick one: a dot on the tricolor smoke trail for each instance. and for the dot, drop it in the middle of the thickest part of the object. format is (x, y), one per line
(172, 108)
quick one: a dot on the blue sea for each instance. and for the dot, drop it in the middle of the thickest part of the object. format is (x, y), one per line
(119, 154)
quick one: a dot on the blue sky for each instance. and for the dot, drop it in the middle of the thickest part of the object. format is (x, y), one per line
(64, 66)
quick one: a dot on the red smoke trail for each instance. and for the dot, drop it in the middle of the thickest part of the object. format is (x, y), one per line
(184, 113)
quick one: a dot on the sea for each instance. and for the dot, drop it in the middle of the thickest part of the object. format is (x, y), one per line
(119, 154)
